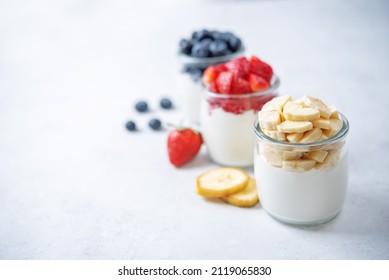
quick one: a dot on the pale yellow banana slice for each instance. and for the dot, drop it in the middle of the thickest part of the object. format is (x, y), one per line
(221, 182)
(292, 126)
(299, 165)
(271, 155)
(317, 104)
(336, 125)
(294, 137)
(275, 134)
(287, 155)
(322, 123)
(276, 104)
(318, 156)
(334, 112)
(331, 160)
(269, 119)
(248, 197)
(303, 114)
(311, 136)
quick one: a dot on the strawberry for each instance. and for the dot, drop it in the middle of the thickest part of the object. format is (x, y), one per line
(211, 73)
(239, 66)
(258, 83)
(212, 87)
(183, 144)
(240, 85)
(224, 82)
(260, 68)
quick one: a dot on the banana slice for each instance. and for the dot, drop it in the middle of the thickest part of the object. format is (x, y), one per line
(311, 136)
(296, 112)
(248, 197)
(294, 137)
(271, 155)
(269, 119)
(287, 155)
(275, 134)
(292, 126)
(322, 123)
(317, 104)
(276, 104)
(222, 182)
(331, 160)
(318, 156)
(336, 125)
(298, 165)
(334, 112)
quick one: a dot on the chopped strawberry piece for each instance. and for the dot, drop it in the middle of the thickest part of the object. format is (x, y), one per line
(260, 68)
(209, 75)
(258, 83)
(220, 68)
(224, 82)
(213, 87)
(239, 66)
(240, 86)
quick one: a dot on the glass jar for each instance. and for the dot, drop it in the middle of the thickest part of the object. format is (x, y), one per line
(189, 85)
(297, 190)
(226, 124)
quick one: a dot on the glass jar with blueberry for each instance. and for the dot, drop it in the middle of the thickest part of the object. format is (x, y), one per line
(196, 53)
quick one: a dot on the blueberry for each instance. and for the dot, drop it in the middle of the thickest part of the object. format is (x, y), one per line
(131, 126)
(225, 36)
(234, 44)
(201, 35)
(200, 50)
(141, 106)
(205, 43)
(186, 46)
(218, 48)
(155, 124)
(196, 74)
(166, 103)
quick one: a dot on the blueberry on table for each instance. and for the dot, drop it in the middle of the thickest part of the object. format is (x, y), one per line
(218, 48)
(155, 124)
(186, 46)
(234, 44)
(166, 103)
(141, 106)
(131, 126)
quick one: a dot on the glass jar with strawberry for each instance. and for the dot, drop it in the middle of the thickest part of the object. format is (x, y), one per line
(235, 92)
(202, 49)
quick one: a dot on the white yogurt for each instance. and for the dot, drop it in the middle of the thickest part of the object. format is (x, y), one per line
(229, 137)
(310, 197)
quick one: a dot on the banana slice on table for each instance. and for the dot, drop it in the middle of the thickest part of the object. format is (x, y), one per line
(248, 197)
(222, 182)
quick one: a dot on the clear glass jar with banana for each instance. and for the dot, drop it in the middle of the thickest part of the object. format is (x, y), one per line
(300, 160)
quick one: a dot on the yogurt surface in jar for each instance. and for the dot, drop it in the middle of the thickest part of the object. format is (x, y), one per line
(301, 160)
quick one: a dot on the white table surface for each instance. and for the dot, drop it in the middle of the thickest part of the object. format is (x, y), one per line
(74, 184)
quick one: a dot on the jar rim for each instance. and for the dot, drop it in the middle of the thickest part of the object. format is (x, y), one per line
(339, 136)
(274, 85)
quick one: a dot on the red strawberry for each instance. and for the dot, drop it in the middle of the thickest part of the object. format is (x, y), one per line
(240, 86)
(224, 82)
(261, 68)
(183, 145)
(209, 75)
(213, 87)
(258, 83)
(239, 66)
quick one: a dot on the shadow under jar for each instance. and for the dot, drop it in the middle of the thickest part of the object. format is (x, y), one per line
(226, 124)
(299, 191)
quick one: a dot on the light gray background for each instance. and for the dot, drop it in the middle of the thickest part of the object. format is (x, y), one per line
(75, 185)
